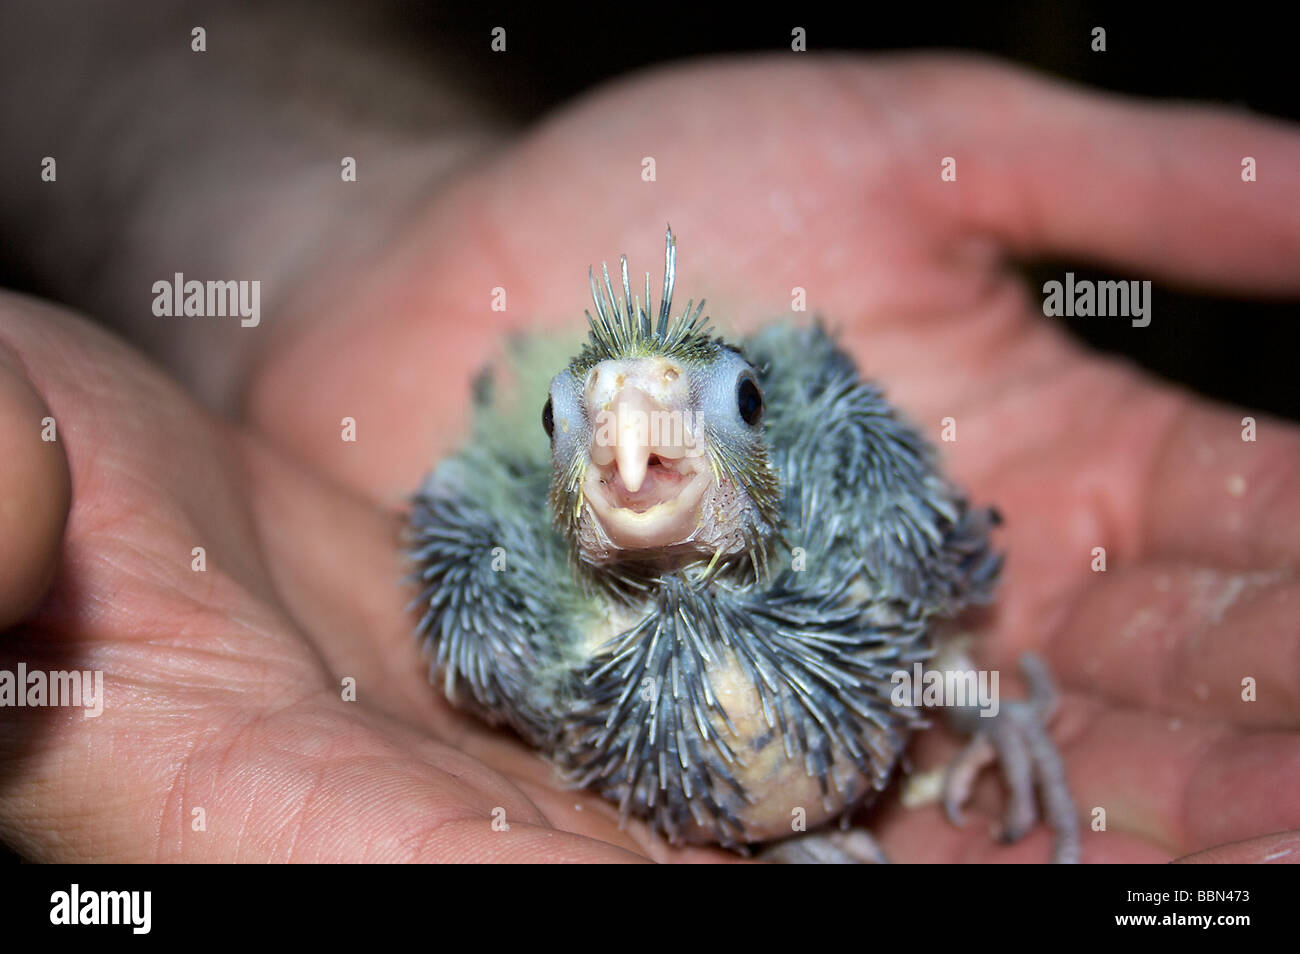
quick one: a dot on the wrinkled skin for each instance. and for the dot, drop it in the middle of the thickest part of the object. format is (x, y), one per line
(224, 686)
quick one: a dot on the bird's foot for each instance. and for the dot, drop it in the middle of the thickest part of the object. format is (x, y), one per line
(851, 847)
(1016, 739)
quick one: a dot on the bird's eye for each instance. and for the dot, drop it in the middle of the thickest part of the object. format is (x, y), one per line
(749, 401)
(548, 419)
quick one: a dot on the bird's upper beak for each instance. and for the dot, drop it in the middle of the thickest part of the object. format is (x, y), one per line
(649, 469)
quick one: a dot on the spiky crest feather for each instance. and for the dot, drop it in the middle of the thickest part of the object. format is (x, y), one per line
(624, 329)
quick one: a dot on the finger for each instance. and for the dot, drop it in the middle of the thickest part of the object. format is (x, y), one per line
(1173, 784)
(1052, 169)
(1179, 784)
(1224, 488)
(35, 490)
(158, 522)
(1193, 642)
(1146, 473)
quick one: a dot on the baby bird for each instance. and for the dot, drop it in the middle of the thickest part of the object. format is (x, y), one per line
(694, 584)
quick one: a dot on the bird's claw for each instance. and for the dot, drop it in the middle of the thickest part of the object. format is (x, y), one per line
(1017, 740)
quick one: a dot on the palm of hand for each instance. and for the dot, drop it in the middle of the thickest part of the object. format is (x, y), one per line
(229, 680)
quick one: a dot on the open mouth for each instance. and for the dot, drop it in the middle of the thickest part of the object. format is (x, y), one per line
(663, 483)
(664, 510)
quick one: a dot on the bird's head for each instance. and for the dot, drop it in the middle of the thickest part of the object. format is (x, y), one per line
(657, 445)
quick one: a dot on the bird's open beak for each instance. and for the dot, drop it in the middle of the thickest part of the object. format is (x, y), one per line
(649, 469)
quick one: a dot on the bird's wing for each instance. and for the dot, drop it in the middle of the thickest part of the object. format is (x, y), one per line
(861, 483)
(500, 610)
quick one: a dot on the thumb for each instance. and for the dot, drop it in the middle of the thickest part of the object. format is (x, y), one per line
(35, 491)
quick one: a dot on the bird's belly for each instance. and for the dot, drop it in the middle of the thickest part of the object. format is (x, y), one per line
(785, 797)
(760, 775)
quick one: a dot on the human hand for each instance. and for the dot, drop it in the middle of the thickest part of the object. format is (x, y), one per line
(825, 175)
